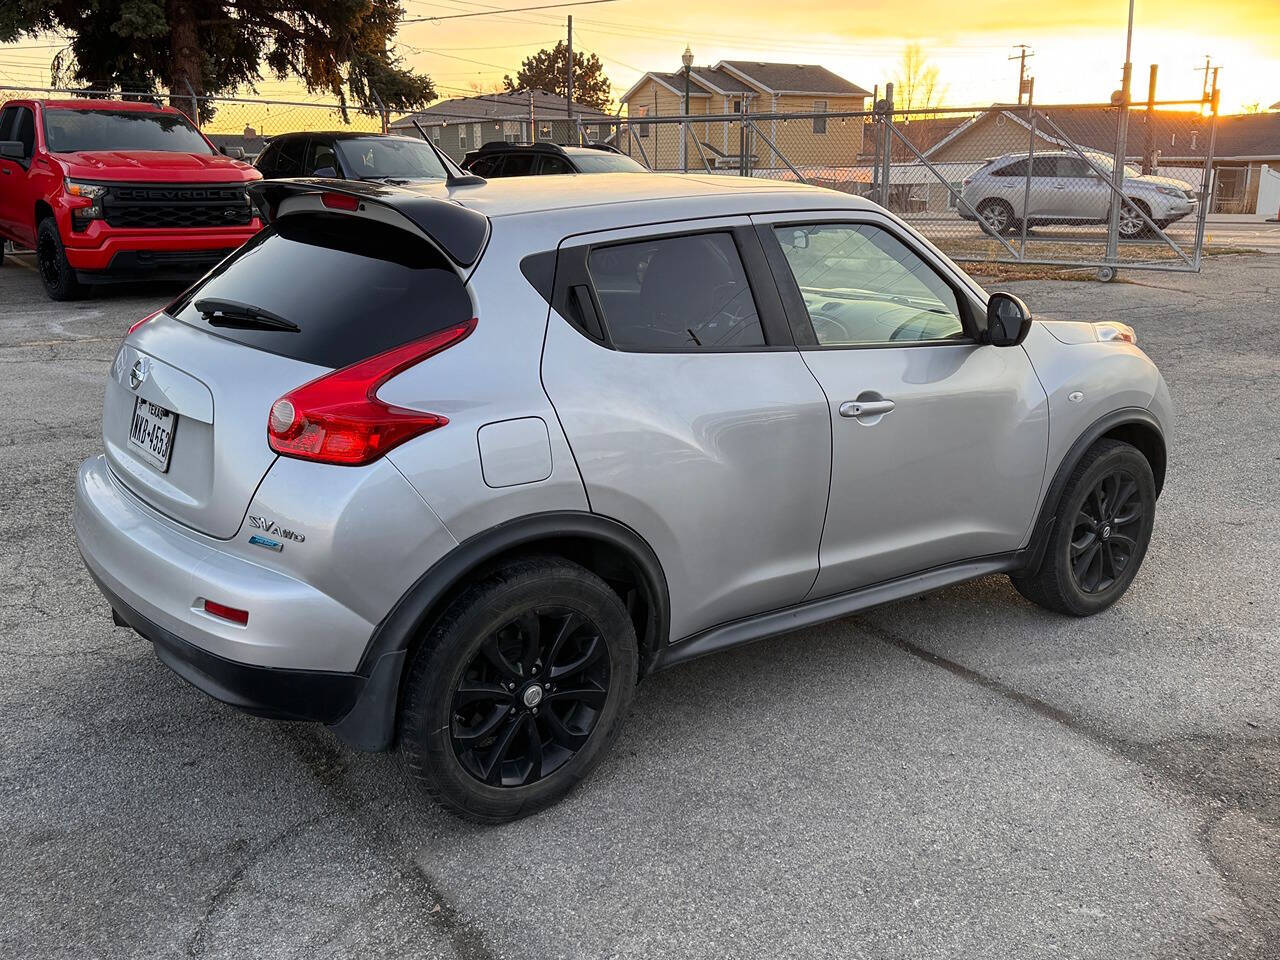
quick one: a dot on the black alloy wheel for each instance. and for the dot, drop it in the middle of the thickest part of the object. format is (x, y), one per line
(1104, 539)
(530, 697)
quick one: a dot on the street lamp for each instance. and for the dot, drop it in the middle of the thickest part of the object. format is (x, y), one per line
(687, 59)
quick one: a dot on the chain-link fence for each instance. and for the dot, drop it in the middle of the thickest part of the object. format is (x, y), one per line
(1005, 183)
(1009, 184)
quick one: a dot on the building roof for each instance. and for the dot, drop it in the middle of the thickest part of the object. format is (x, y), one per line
(497, 106)
(729, 77)
(1175, 133)
(792, 78)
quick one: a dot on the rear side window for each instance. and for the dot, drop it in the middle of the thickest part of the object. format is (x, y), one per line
(355, 287)
(518, 165)
(685, 293)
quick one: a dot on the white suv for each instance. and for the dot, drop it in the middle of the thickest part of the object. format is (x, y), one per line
(1063, 188)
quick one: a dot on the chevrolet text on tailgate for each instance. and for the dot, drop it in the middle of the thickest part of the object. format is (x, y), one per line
(107, 190)
(453, 466)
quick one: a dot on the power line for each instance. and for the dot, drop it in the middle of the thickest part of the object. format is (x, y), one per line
(487, 13)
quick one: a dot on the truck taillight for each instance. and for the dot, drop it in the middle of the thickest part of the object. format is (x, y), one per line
(339, 419)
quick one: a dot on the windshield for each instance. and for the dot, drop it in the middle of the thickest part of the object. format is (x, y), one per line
(67, 130)
(606, 163)
(372, 158)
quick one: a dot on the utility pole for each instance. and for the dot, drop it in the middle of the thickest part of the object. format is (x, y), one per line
(1204, 88)
(568, 106)
(1024, 51)
(533, 131)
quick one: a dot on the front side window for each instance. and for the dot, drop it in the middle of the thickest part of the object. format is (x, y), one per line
(69, 130)
(320, 155)
(1018, 168)
(552, 165)
(518, 165)
(24, 131)
(863, 286)
(686, 294)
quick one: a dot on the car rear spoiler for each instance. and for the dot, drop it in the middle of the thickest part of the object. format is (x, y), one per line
(458, 232)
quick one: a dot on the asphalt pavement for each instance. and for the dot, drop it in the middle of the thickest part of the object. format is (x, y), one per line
(957, 776)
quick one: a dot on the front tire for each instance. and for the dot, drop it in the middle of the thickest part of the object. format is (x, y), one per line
(1131, 226)
(518, 690)
(51, 259)
(1105, 517)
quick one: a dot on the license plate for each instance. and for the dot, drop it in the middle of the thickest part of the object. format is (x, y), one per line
(151, 432)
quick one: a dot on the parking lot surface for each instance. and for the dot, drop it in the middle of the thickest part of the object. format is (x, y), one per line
(961, 775)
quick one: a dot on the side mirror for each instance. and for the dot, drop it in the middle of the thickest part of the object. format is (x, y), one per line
(12, 149)
(235, 153)
(326, 173)
(1008, 320)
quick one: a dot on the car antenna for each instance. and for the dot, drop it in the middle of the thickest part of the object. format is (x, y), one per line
(454, 176)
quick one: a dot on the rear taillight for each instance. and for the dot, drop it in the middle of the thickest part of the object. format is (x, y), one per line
(137, 323)
(339, 419)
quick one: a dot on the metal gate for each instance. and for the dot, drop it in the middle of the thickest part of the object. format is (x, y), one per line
(1001, 184)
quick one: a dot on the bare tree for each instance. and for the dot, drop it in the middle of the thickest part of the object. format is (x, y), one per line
(915, 85)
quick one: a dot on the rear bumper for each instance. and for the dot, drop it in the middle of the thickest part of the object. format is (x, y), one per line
(314, 695)
(165, 573)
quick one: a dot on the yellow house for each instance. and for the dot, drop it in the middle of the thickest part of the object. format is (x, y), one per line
(729, 88)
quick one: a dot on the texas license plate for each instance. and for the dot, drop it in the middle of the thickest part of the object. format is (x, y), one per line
(151, 432)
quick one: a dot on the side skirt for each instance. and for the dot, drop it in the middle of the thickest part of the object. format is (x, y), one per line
(762, 626)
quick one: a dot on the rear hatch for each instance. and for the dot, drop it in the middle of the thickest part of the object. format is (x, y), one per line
(185, 414)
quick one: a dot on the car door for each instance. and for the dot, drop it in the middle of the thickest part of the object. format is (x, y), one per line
(938, 442)
(1087, 196)
(691, 415)
(1049, 198)
(17, 202)
(9, 169)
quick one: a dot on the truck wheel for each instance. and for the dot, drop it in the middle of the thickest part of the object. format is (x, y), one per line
(517, 692)
(51, 258)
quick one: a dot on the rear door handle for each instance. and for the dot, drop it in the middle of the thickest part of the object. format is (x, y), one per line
(865, 408)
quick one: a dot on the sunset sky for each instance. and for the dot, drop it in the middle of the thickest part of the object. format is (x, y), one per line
(1079, 46)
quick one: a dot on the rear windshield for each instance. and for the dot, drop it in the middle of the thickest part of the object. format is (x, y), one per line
(355, 287)
(68, 130)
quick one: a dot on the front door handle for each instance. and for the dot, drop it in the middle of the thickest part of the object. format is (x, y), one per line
(865, 408)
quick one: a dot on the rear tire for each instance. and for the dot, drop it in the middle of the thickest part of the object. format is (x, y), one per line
(518, 690)
(1105, 517)
(51, 260)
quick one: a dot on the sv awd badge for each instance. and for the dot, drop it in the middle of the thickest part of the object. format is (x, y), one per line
(269, 526)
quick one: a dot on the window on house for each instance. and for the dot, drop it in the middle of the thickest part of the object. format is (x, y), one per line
(477, 135)
(737, 106)
(819, 123)
(951, 197)
(642, 129)
(435, 134)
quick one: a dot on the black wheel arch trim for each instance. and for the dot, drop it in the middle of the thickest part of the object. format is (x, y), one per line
(370, 725)
(1045, 520)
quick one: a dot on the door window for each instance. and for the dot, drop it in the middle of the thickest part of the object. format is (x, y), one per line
(1049, 166)
(686, 293)
(1074, 167)
(320, 155)
(518, 165)
(24, 130)
(289, 158)
(1016, 169)
(555, 165)
(6, 122)
(267, 160)
(485, 166)
(863, 286)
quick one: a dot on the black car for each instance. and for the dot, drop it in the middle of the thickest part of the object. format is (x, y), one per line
(349, 156)
(502, 159)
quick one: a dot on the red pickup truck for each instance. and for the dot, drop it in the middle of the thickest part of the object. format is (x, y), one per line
(107, 190)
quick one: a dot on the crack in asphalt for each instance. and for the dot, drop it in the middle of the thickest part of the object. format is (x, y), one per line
(1204, 770)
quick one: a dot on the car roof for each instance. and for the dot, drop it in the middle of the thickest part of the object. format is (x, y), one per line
(508, 196)
(132, 105)
(339, 135)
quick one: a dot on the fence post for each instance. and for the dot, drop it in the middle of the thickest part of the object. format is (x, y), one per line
(1117, 170)
(195, 103)
(1031, 159)
(887, 153)
(1206, 180)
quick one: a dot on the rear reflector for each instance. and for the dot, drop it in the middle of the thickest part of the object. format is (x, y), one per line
(339, 419)
(339, 201)
(223, 612)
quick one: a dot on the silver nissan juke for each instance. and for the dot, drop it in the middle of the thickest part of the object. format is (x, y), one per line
(452, 466)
